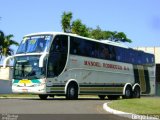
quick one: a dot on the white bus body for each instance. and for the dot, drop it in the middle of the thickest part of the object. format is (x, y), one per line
(71, 73)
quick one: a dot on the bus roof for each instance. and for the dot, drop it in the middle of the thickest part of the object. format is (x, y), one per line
(75, 35)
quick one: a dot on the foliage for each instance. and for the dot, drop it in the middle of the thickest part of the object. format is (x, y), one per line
(66, 21)
(109, 35)
(77, 27)
(96, 33)
(5, 43)
(119, 36)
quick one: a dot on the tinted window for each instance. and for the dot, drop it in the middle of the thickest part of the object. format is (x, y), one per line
(98, 50)
(91, 49)
(60, 44)
(58, 55)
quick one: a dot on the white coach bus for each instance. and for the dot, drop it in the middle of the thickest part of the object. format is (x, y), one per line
(53, 63)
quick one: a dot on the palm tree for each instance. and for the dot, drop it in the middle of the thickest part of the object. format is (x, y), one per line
(66, 21)
(1, 42)
(79, 28)
(5, 43)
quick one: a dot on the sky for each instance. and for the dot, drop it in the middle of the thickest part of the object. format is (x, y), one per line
(138, 19)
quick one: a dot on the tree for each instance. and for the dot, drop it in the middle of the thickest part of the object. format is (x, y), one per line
(119, 36)
(76, 27)
(1, 42)
(79, 28)
(5, 43)
(109, 35)
(66, 21)
(96, 33)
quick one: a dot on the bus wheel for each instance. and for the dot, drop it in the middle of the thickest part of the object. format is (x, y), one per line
(102, 97)
(113, 97)
(72, 92)
(43, 97)
(136, 92)
(128, 92)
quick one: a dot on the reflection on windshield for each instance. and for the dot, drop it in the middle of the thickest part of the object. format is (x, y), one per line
(27, 68)
(34, 44)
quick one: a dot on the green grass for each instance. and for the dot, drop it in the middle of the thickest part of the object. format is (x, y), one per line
(137, 106)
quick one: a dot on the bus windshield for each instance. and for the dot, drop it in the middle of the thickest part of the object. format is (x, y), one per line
(34, 44)
(27, 67)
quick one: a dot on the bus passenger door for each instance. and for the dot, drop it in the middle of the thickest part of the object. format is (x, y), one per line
(57, 56)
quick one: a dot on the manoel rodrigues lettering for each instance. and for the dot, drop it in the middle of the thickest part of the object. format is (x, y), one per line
(105, 65)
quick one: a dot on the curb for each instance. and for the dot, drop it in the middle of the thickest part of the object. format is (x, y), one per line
(128, 115)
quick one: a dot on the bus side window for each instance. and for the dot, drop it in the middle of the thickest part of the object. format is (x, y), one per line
(60, 44)
(119, 54)
(104, 54)
(74, 46)
(112, 53)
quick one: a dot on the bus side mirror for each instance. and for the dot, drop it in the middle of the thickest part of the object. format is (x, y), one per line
(6, 61)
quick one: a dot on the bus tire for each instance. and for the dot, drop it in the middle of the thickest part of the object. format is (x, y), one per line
(128, 92)
(102, 97)
(43, 97)
(72, 92)
(136, 92)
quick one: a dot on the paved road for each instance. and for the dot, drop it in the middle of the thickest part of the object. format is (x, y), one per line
(55, 109)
